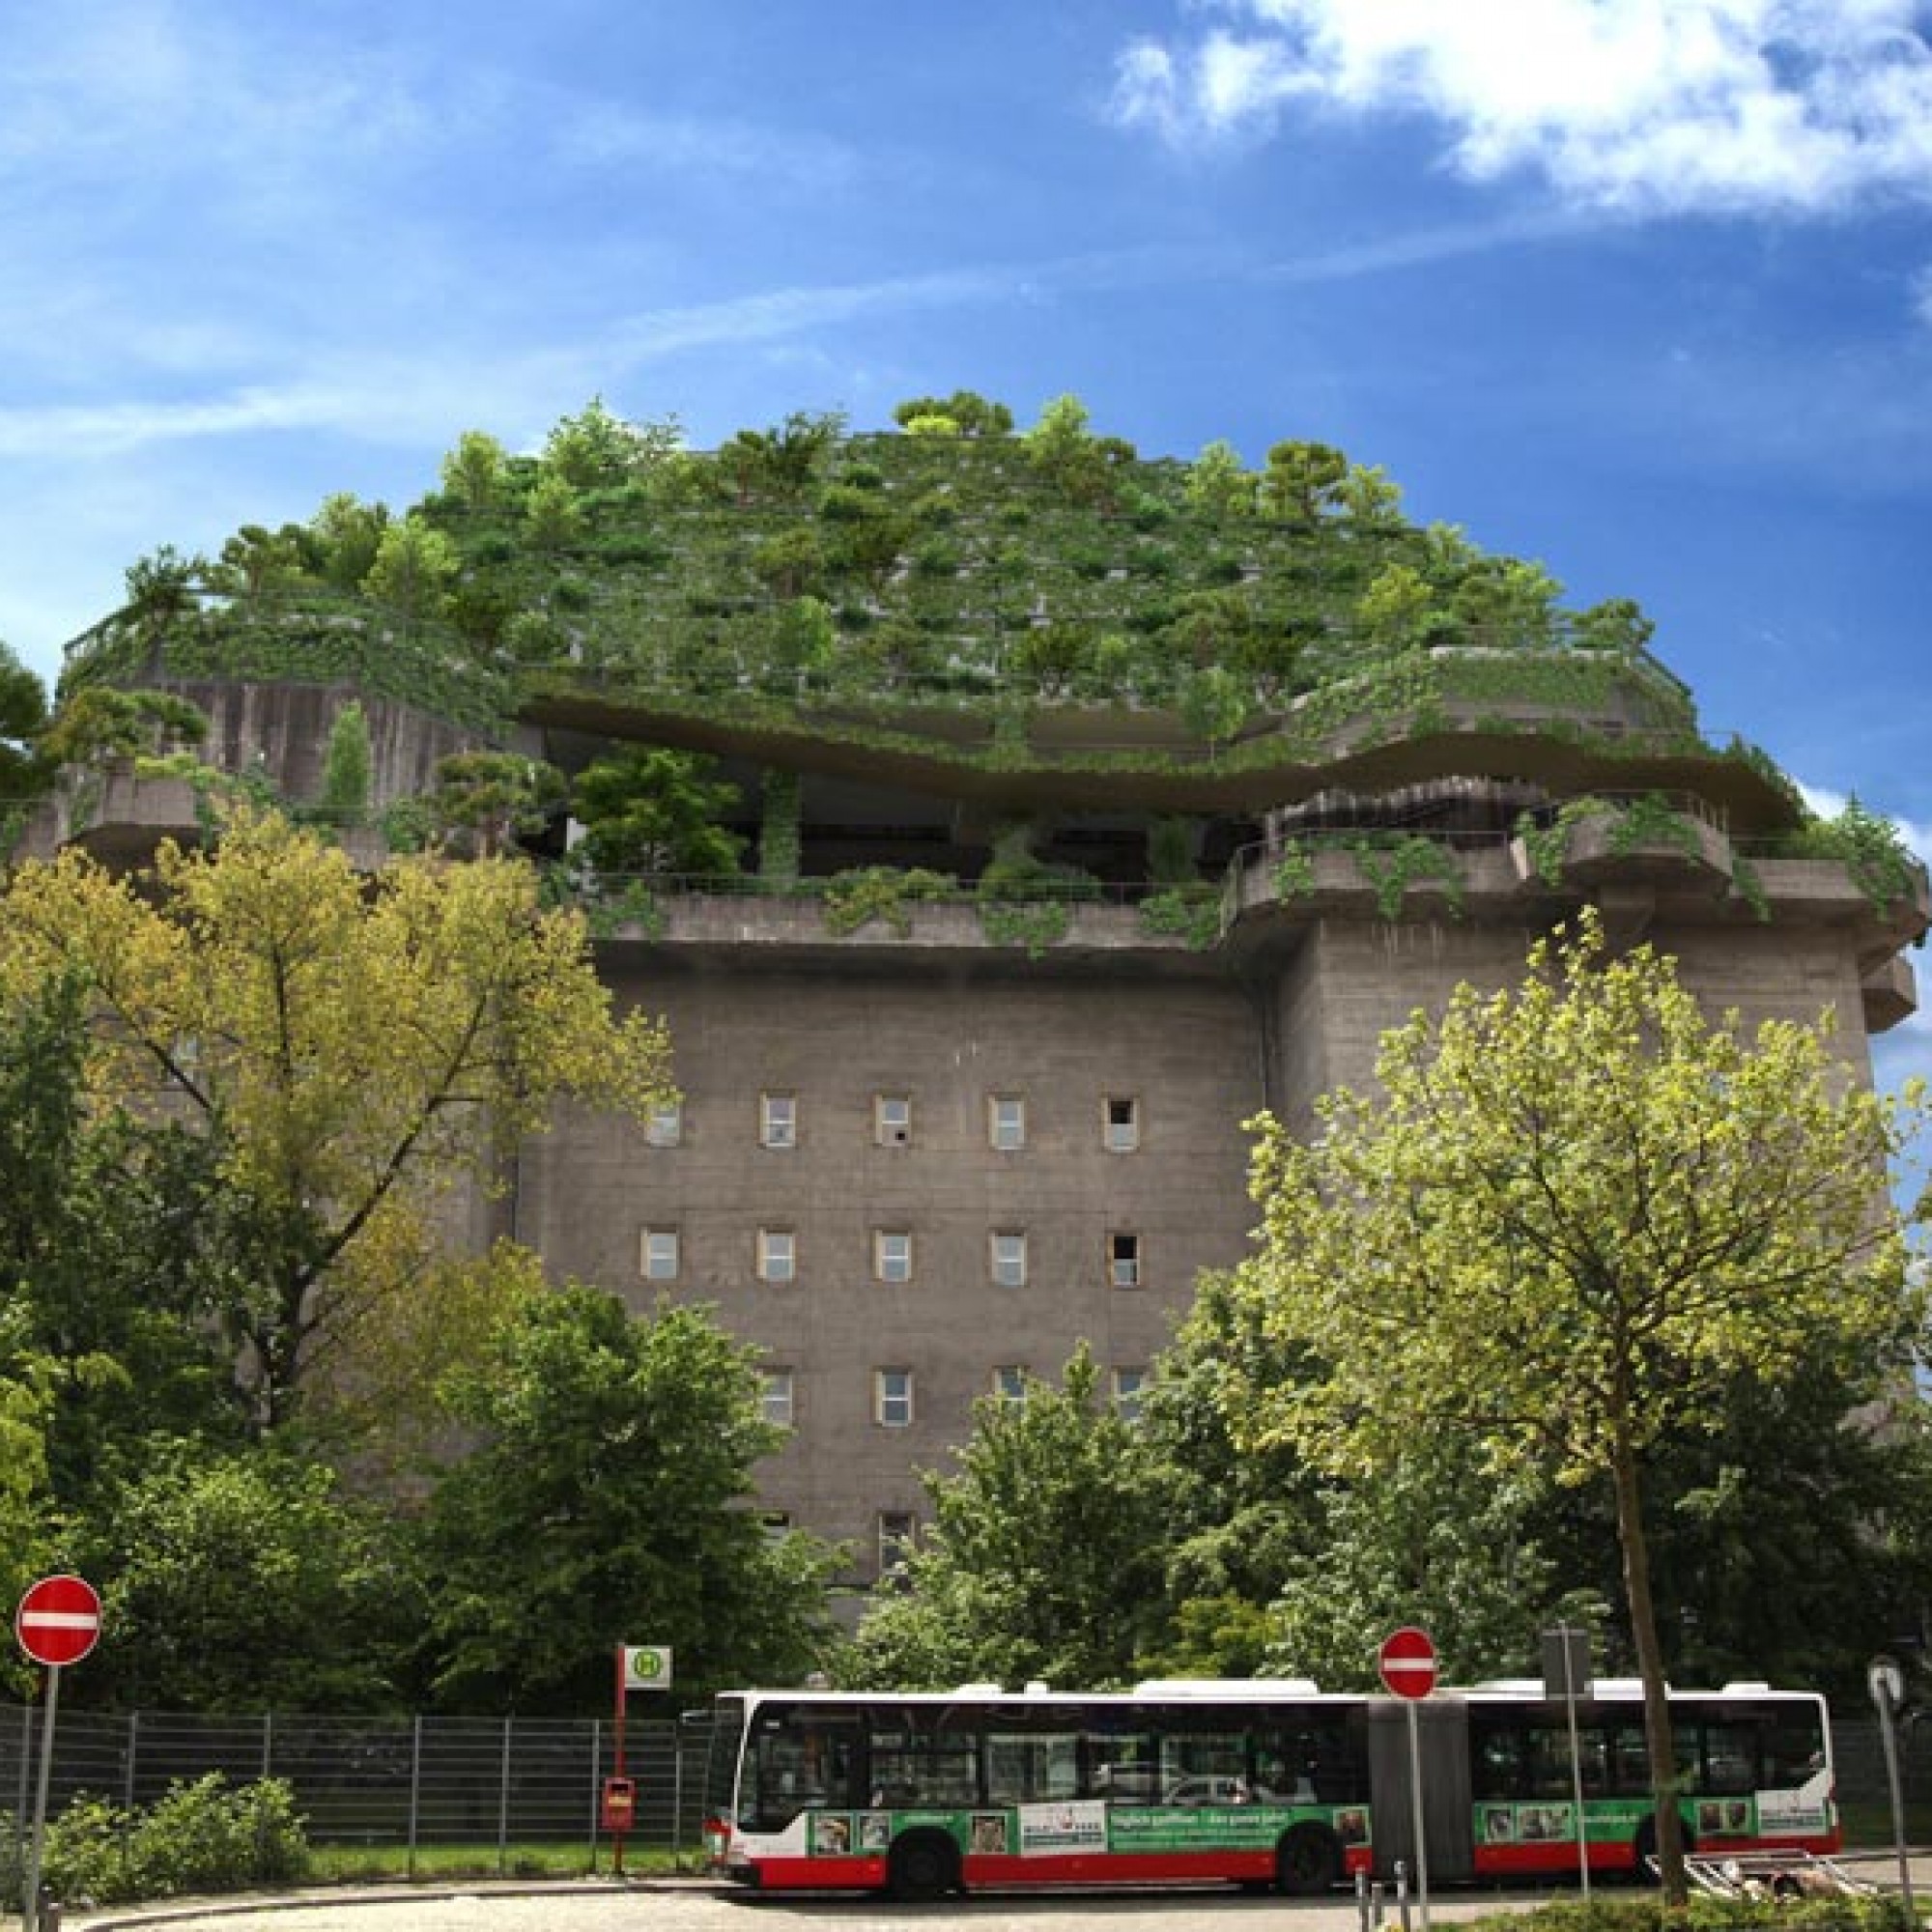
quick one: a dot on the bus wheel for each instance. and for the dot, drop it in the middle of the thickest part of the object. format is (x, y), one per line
(1308, 1860)
(924, 1866)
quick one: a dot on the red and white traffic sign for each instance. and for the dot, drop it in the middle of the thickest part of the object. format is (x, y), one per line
(1407, 1662)
(59, 1620)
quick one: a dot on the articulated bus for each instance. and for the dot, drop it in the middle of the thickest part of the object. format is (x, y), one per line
(1257, 1782)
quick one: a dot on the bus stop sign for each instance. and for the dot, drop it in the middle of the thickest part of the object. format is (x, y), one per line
(1407, 1662)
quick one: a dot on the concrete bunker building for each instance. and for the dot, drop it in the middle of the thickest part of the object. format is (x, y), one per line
(931, 1136)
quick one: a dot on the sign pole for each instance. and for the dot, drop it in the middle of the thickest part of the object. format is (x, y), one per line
(1887, 1684)
(30, 1906)
(617, 1761)
(1406, 1664)
(1415, 1802)
(1566, 1674)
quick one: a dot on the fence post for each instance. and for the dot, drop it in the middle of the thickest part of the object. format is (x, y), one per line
(416, 1785)
(504, 1805)
(268, 1742)
(596, 1776)
(677, 1790)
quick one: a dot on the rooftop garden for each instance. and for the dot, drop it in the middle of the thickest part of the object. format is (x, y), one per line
(979, 605)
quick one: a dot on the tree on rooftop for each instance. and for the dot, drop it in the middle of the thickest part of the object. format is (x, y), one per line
(346, 1052)
(475, 471)
(347, 533)
(652, 812)
(1303, 482)
(1575, 1212)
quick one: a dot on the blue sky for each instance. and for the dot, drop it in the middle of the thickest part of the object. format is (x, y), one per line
(1639, 287)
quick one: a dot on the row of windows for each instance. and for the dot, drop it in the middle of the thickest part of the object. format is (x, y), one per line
(774, 1256)
(1120, 1122)
(895, 1394)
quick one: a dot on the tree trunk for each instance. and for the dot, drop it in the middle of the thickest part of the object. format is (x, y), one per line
(1659, 1741)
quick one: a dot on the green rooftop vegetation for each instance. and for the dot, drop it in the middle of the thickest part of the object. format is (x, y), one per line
(951, 592)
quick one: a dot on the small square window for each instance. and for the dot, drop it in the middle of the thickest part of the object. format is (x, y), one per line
(1121, 1131)
(779, 1397)
(778, 1254)
(660, 1254)
(775, 1524)
(891, 1120)
(891, 1255)
(664, 1126)
(1009, 1382)
(1006, 1122)
(891, 1398)
(896, 1530)
(777, 1120)
(1009, 1259)
(1130, 1392)
(1124, 1260)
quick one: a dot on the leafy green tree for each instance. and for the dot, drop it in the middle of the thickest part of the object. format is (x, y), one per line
(1219, 483)
(1086, 467)
(1043, 1559)
(246, 1582)
(965, 412)
(1504, 600)
(414, 565)
(596, 449)
(1400, 608)
(346, 534)
(347, 768)
(607, 1498)
(343, 1055)
(476, 471)
(25, 1412)
(1368, 498)
(1303, 482)
(1616, 624)
(655, 813)
(491, 799)
(101, 723)
(553, 512)
(782, 461)
(256, 560)
(23, 716)
(1574, 1213)
(162, 591)
(792, 562)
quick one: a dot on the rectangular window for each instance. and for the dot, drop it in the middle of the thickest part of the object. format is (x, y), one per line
(775, 1524)
(660, 1254)
(1006, 1122)
(1009, 1382)
(1130, 1392)
(664, 1126)
(1009, 1259)
(896, 1530)
(1124, 1260)
(891, 1120)
(778, 1254)
(891, 1255)
(777, 1120)
(1120, 1132)
(891, 1398)
(779, 1398)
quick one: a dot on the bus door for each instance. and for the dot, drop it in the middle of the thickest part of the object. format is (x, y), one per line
(1447, 1805)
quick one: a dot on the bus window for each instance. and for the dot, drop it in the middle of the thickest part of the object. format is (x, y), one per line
(1122, 1769)
(1496, 1768)
(1308, 1763)
(1203, 1767)
(802, 1760)
(918, 1767)
(1794, 1747)
(1630, 1760)
(1030, 1766)
(1731, 1756)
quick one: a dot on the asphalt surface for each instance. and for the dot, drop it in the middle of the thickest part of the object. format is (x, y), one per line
(701, 1905)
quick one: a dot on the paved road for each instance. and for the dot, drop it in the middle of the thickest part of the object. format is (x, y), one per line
(696, 1906)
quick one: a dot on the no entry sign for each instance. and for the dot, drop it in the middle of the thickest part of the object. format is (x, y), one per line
(1408, 1663)
(59, 1620)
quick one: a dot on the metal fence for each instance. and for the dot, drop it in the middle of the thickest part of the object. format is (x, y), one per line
(403, 1784)
(413, 1782)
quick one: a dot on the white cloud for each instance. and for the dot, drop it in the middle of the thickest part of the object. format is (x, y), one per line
(1790, 106)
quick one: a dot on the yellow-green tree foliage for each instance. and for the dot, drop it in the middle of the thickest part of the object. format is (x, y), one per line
(1576, 1211)
(358, 1048)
